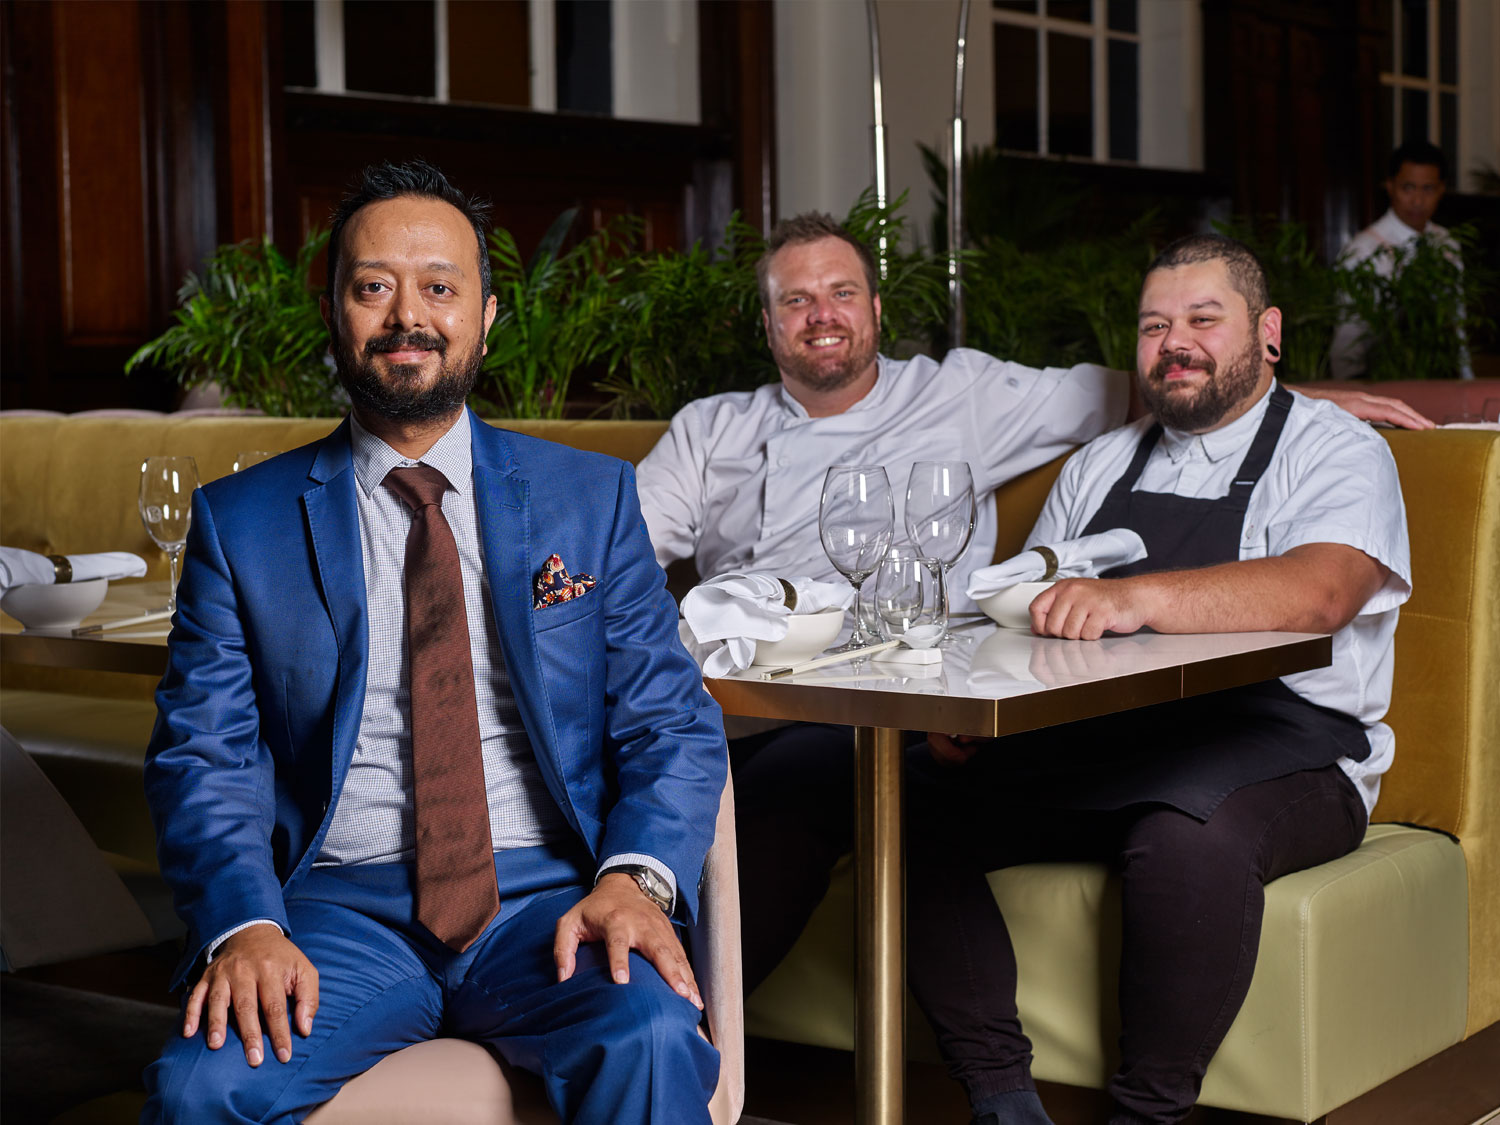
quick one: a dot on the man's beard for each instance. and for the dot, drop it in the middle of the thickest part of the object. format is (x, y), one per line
(819, 375)
(1214, 398)
(398, 396)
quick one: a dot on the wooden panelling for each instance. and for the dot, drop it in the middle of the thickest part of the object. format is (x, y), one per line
(101, 173)
(737, 79)
(247, 140)
(531, 166)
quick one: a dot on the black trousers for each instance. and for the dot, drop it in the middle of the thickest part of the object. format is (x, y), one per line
(1192, 898)
(1192, 893)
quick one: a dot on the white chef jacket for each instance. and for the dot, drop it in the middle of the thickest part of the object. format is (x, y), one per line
(1332, 479)
(1346, 356)
(736, 480)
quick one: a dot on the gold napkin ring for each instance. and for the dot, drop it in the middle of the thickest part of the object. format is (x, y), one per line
(1049, 556)
(62, 569)
(789, 594)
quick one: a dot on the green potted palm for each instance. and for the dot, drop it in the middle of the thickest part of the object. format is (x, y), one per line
(250, 323)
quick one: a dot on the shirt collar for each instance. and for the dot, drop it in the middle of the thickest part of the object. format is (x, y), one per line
(1394, 231)
(1220, 443)
(452, 455)
(875, 393)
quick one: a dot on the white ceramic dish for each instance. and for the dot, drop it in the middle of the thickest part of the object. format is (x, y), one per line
(1011, 607)
(807, 635)
(54, 606)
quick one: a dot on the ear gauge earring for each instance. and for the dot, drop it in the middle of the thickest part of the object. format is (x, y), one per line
(1273, 351)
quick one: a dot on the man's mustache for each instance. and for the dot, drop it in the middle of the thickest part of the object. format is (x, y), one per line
(406, 342)
(1181, 361)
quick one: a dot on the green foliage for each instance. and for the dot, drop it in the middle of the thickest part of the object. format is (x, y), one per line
(687, 325)
(251, 324)
(1419, 317)
(1302, 287)
(553, 317)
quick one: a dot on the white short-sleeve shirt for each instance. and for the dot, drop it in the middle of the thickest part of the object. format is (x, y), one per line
(1332, 479)
(735, 482)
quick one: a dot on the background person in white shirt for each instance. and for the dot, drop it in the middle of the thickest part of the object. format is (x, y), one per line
(1260, 510)
(1415, 186)
(735, 484)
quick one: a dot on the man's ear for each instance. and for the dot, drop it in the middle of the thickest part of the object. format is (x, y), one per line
(326, 309)
(1270, 334)
(491, 307)
(875, 301)
(765, 324)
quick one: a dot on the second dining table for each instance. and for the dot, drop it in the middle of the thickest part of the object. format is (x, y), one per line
(991, 682)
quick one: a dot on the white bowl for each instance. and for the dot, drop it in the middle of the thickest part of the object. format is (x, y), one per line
(1011, 607)
(807, 635)
(58, 606)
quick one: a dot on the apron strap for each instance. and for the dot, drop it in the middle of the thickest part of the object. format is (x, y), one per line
(1253, 467)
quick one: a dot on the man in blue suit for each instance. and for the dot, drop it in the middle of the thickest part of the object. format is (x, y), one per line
(331, 722)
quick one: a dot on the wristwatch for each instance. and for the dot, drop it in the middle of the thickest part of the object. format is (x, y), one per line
(652, 885)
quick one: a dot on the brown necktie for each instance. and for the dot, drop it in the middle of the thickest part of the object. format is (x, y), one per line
(456, 893)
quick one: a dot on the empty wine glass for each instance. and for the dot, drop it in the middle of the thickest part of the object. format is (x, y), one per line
(856, 520)
(940, 513)
(167, 485)
(909, 602)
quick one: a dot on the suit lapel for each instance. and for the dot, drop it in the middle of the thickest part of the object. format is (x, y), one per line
(503, 499)
(333, 526)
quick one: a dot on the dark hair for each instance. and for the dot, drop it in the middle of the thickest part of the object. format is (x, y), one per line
(811, 226)
(1419, 152)
(1246, 275)
(384, 181)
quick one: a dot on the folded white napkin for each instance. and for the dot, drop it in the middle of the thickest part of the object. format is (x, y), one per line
(725, 616)
(1084, 557)
(27, 568)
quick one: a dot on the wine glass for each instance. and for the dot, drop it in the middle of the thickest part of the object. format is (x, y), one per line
(856, 520)
(909, 602)
(167, 485)
(940, 513)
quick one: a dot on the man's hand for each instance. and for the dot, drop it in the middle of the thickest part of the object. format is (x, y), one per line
(1371, 408)
(952, 749)
(254, 970)
(620, 915)
(1086, 608)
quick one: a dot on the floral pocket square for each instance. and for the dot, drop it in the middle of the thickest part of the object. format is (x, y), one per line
(554, 585)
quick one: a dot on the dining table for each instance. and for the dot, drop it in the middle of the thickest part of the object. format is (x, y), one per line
(991, 682)
(141, 649)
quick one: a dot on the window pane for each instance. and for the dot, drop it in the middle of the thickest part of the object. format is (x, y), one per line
(1122, 15)
(1124, 100)
(1015, 88)
(585, 76)
(1414, 115)
(390, 47)
(1081, 10)
(489, 53)
(299, 44)
(1448, 41)
(1448, 130)
(1070, 95)
(1414, 38)
(1016, 6)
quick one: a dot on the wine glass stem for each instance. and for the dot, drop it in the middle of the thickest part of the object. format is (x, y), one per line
(860, 636)
(173, 553)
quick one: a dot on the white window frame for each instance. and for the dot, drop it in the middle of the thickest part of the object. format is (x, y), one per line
(1395, 81)
(1099, 35)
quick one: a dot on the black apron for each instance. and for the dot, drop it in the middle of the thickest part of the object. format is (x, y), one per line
(1192, 753)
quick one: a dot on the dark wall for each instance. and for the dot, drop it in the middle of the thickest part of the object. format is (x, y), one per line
(140, 134)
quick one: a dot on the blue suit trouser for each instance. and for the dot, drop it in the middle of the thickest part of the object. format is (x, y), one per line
(606, 1052)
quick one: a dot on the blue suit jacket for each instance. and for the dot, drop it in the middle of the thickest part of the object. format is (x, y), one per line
(261, 702)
